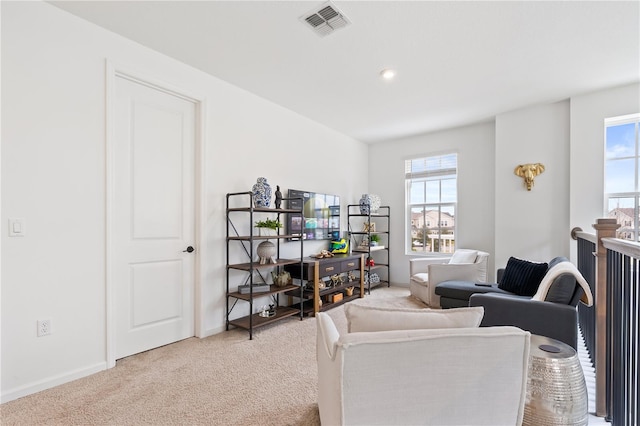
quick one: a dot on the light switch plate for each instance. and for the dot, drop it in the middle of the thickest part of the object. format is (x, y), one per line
(17, 227)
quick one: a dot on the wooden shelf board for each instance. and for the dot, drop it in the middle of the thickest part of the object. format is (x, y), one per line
(308, 304)
(329, 305)
(273, 289)
(263, 210)
(309, 294)
(262, 237)
(340, 288)
(381, 282)
(257, 265)
(372, 248)
(258, 321)
(376, 266)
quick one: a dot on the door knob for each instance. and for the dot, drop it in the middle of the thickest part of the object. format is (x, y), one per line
(189, 250)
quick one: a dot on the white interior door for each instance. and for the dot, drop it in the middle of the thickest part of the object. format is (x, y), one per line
(153, 216)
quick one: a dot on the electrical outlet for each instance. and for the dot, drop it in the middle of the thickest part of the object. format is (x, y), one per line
(44, 327)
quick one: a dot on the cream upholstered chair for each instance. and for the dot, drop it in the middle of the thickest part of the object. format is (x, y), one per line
(427, 273)
(444, 376)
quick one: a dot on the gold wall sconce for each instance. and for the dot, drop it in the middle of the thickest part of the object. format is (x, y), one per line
(528, 172)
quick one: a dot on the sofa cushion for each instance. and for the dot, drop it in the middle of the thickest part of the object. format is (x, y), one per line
(464, 256)
(562, 289)
(464, 289)
(421, 278)
(558, 259)
(372, 318)
(564, 278)
(522, 277)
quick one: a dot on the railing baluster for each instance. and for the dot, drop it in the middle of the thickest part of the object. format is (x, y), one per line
(610, 334)
(622, 266)
(635, 331)
(615, 321)
(586, 314)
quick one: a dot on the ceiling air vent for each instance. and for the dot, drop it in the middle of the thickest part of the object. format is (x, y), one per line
(325, 19)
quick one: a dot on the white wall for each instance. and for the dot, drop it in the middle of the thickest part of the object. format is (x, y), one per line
(496, 212)
(534, 224)
(588, 113)
(53, 176)
(476, 157)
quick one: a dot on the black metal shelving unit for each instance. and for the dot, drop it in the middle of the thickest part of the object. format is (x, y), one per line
(380, 253)
(254, 270)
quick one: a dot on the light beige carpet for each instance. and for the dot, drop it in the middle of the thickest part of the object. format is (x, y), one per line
(225, 379)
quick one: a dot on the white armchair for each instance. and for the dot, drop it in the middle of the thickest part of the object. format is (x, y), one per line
(453, 376)
(426, 273)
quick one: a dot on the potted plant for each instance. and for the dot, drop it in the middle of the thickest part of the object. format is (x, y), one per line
(374, 240)
(272, 224)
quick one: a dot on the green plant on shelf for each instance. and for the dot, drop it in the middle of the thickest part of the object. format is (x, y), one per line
(269, 224)
(374, 239)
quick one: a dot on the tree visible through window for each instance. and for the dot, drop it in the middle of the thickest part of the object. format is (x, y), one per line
(622, 166)
(431, 198)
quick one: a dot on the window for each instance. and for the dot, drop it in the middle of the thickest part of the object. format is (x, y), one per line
(431, 196)
(622, 166)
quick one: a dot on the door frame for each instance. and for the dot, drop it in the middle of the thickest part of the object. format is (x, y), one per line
(112, 72)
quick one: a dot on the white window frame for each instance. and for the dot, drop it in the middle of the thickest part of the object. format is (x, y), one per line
(439, 206)
(623, 232)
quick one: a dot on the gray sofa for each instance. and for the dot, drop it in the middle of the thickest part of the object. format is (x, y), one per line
(556, 316)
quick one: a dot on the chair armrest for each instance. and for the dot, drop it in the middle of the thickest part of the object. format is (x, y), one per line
(329, 370)
(549, 319)
(420, 265)
(453, 272)
(327, 335)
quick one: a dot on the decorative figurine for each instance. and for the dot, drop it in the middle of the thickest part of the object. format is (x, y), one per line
(278, 197)
(336, 280)
(323, 254)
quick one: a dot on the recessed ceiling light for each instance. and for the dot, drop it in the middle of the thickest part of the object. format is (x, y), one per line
(387, 74)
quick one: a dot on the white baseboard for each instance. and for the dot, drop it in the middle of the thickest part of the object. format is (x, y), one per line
(51, 382)
(211, 331)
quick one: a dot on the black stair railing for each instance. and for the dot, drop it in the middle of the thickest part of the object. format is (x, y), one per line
(611, 328)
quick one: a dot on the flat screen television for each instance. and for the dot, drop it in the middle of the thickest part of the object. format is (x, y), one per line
(320, 219)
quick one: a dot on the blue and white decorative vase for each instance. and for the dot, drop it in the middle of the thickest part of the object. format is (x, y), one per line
(369, 202)
(261, 193)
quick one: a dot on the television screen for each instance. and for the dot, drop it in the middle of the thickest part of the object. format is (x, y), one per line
(320, 219)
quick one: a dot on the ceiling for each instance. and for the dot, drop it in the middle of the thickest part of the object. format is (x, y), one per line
(457, 62)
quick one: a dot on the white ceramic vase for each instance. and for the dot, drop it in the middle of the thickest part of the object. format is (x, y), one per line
(369, 203)
(261, 193)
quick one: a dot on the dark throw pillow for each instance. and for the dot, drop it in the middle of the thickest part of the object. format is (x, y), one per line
(522, 277)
